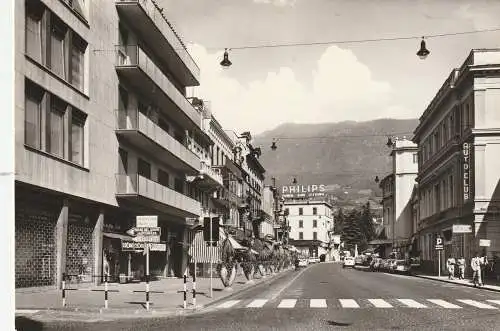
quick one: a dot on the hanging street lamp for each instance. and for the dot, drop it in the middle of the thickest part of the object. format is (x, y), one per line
(225, 63)
(423, 52)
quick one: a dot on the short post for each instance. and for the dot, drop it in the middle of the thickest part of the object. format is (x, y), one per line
(194, 286)
(106, 291)
(439, 264)
(185, 291)
(64, 290)
(147, 276)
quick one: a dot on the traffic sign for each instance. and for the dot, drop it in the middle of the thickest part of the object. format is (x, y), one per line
(439, 244)
(145, 231)
(146, 221)
(139, 246)
(142, 238)
(484, 242)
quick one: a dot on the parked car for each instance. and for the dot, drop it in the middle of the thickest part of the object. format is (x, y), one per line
(348, 262)
(390, 265)
(303, 262)
(358, 260)
(313, 259)
(376, 264)
(401, 266)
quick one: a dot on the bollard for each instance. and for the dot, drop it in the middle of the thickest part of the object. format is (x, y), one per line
(147, 292)
(194, 289)
(185, 291)
(106, 291)
(64, 290)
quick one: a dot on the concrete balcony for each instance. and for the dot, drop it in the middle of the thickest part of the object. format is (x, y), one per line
(151, 195)
(212, 174)
(141, 132)
(154, 30)
(137, 68)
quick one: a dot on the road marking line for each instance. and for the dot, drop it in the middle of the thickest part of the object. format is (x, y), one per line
(412, 303)
(257, 303)
(317, 303)
(228, 304)
(494, 301)
(477, 304)
(287, 303)
(348, 303)
(380, 303)
(275, 295)
(444, 304)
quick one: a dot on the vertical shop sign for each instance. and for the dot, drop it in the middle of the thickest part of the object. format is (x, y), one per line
(466, 170)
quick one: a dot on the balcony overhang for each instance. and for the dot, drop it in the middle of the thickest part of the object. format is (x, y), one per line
(135, 201)
(141, 82)
(144, 143)
(148, 23)
(205, 181)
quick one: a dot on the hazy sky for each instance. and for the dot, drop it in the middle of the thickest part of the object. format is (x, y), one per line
(329, 83)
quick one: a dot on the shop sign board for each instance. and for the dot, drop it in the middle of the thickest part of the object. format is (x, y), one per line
(439, 244)
(466, 170)
(146, 231)
(141, 238)
(462, 228)
(128, 246)
(146, 221)
(484, 243)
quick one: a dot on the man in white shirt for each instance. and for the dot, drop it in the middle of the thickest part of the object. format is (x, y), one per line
(461, 267)
(475, 264)
(450, 264)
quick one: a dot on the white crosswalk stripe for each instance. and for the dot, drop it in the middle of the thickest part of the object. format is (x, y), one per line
(257, 303)
(287, 303)
(228, 304)
(444, 304)
(318, 303)
(380, 303)
(348, 303)
(394, 303)
(477, 304)
(412, 303)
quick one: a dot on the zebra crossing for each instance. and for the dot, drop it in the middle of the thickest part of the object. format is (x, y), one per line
(362, 303)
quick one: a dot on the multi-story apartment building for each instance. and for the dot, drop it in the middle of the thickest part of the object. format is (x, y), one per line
(104, 133)
(311, 225)
(397, 189)
(268, 212)
(459, 168)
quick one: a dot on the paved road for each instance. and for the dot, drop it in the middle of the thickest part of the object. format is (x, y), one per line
(327, 297)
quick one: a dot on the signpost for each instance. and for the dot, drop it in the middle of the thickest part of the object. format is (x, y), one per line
(484, 242)
(439, 247)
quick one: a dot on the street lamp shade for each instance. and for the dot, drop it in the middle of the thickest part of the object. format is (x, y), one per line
(377, 179)
(389, 142)
(294, 180)
(273, 145)
(225, 63)
(423, 52)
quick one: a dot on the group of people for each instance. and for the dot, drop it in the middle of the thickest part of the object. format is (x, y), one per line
(478, 265)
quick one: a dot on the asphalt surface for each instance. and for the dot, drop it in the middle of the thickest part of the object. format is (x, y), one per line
(326, 297)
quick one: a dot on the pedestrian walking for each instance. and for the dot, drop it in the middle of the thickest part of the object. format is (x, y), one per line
(450, 264)
(475, 264)
(461, 267)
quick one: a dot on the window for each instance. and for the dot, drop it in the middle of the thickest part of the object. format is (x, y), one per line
(315, 236)
(77, 128)
(123, 161)
(287, 211)
(34, 14)
(179, 185)
(315, 211)
(301, 235)
(32, 117)
(163, 178)
(451, 191)
(77, 5)
(143, 168)
(301, 224)
(78, 48)
(58, 47)
(315, 223)
(56, 126)
(415, 158)
(301, 211)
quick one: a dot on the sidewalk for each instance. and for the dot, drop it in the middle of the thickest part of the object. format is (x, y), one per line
(166, 297)
(491, 286)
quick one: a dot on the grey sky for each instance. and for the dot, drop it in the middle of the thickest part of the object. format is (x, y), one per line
(265, 87)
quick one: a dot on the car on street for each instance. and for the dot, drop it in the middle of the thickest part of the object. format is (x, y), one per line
(303, 262)
(348, 262)
(401, 266)
(376, 264)
(313, 259)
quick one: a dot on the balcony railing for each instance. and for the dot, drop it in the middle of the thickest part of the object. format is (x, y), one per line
(132, 119)
(215, 175)
(168, 35)
(135, 184)
(134, 56)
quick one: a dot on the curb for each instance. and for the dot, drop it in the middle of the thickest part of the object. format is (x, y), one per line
(467, 284)
(243, 290)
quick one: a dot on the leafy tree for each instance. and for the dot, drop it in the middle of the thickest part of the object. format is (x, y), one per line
(366, 222)
(352, 233)
(339, 221)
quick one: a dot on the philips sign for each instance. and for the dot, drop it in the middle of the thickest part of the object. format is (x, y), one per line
(303, 191)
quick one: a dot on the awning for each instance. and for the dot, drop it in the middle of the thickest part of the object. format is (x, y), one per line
(235, 244)
(117, 236)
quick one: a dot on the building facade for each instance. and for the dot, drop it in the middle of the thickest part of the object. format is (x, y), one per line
(459, 168)
(269, 199)
(311, 226)
(104, 133)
